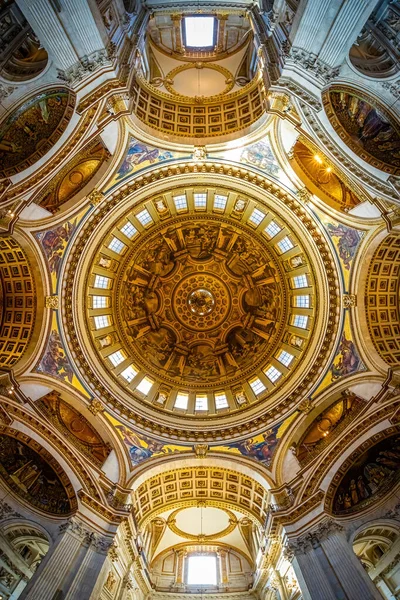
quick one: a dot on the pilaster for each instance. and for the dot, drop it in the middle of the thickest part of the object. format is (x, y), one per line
(72, 565)
(327, 568)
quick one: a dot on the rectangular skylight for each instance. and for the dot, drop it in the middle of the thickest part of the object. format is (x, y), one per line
(272, 229)
(221, 401)
(100, 301)
(257, 386)
(102, 321)
(273, 374)
(144, 217)
(145, 386)
(117, 358)
(101, 282)
(302, 301)
(180, 202)
(300, 281)
(200, 200)
(220, 201)
(300, 321)
(199, 32)
(256, 216)
(285, 244)
(129, 373)
(181, 401)
(202, 570)
(285, 358)
(201, 402)
(129, 230)
(116, 245)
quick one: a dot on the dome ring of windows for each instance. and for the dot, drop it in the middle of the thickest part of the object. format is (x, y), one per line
(258, 316)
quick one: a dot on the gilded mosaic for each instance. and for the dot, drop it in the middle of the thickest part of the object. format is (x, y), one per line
(365, 126)
(33, 128)
(200, 300)
(36, 477)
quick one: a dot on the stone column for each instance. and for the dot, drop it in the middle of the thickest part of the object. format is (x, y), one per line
(72, 565)
(344, 31)
(45, 22)
(179, 568)
(327, 568)
(223, 567)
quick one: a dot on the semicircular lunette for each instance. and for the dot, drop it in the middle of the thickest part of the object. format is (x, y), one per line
(32, 129)
(366, 126)
(367, 476)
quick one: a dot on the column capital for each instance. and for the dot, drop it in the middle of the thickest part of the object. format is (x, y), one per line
(311, 539)
(86, 535)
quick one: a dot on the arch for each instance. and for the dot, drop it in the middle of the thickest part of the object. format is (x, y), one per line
(366, 126)
(33, 128)
(368, 474)
(382, 301)
(34, 475)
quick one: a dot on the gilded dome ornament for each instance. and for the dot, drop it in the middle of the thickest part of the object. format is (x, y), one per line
(207, 313)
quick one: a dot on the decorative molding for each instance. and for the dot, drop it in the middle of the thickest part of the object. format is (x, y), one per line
(311, 63)
(6, 90)
(312, 539)
(349, 300)
(86, 66)
(52, 302)
(87, 536)
(6, 512)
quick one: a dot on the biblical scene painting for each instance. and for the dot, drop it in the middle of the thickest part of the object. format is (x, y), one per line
(259, 155)
(371, 476)
(33, 128)
(143, 447)
(140, 155)
(367, 128)
(55, 362)
(32, 477)
(260, 447)
(346, 241)
(54, 243)
(347, 359)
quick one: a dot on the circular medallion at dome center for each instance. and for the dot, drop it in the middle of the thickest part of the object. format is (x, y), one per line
(201, 301)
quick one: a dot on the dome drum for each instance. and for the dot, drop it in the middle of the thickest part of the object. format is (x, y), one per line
(201, 316)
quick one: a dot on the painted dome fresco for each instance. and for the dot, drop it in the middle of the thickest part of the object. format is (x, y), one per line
(197, 315)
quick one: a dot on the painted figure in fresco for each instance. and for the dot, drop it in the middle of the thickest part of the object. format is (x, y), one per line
(368, 126)
(260, 155)
(139, 153)
(53, 243)
(136, 448)
(348, 241)
(263, 450)
(374, 471)
(55, 362)
(349, 360)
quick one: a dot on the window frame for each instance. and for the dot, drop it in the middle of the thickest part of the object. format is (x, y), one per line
(199, 48)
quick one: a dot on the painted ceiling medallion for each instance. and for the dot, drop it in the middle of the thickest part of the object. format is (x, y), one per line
(199, 302)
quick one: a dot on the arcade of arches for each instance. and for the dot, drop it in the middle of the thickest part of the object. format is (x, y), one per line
(199, 300)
